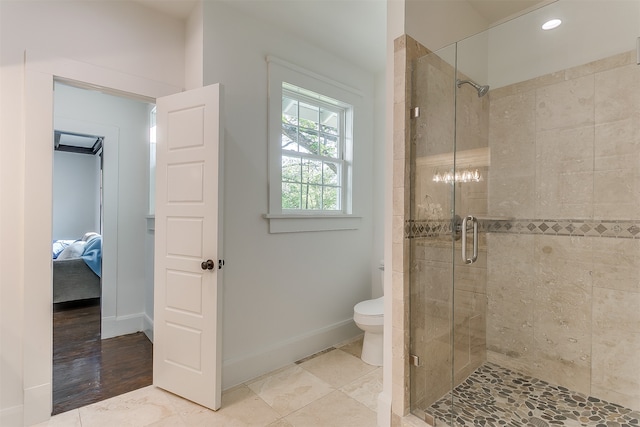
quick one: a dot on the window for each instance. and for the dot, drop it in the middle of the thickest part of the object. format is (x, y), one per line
(312, 158)
(311, 147)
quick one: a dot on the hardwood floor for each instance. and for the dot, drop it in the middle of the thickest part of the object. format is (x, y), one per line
(87, 369)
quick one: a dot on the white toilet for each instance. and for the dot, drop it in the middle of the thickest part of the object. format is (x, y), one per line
(369, 317)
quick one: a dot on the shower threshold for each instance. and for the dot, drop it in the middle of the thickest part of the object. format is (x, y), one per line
(496, 396)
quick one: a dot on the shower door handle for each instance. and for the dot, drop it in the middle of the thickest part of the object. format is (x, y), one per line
(474, 257)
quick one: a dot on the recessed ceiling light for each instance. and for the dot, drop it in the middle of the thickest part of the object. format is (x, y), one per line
(551, 24)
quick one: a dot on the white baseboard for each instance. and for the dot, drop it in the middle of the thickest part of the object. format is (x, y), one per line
(12, 417)
(114, 326)
(37, 404)
(147, 327)
(241, 369)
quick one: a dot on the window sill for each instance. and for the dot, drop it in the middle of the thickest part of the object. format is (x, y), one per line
(306, 223)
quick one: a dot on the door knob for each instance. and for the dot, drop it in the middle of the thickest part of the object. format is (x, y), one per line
(207, 265)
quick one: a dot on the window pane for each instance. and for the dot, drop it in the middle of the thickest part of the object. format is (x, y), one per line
(290, 196)
(312, 197)
(311, 151)
(289, 110)
(289, 137)
(311, 171)
(329, 121)
(291, 169)
(309, 116)
(308, 141)
(329, 146)
(331, 198)
(331, 173)
(330, 130)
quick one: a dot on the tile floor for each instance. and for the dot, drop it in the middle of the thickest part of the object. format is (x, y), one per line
(333, 388)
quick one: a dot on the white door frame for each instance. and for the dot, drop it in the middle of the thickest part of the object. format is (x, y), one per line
(40, 71)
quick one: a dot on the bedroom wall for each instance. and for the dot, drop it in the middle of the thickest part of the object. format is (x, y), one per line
(125, 198)
(285, 295)
(121, 36)
(75, 179)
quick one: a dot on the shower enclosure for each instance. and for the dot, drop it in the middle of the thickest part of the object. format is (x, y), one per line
(524, 223)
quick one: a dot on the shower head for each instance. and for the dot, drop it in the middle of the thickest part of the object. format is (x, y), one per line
(482, 90)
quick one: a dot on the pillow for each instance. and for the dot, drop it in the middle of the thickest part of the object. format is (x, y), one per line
(74, 250)
(89, 235)
(58, 247)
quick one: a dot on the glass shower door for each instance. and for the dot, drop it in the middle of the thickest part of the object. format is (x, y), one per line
(471, 181)
(432, 131)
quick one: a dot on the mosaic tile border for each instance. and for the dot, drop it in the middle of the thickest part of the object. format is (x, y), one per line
(494, 396)
(428, 228)
(622, 229)
(626, 229)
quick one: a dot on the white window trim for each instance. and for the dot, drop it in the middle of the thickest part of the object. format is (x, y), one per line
(280, 71)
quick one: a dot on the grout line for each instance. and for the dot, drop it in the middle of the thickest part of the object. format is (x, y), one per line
(313, 356)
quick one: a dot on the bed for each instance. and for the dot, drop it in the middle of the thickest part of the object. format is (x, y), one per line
(77, 267)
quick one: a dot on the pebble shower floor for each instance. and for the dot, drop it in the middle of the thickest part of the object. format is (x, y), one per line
(495, 396)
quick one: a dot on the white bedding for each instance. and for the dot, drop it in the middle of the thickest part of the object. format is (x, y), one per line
(73, 250)
(67, 249)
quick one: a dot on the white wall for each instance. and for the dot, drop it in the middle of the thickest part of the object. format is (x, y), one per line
(75, 179)
(194, 48)
(285, 295)
(121, 36)
(378, 185)
(438, 23)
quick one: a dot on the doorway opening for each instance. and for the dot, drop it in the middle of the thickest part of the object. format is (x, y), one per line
(103, 304)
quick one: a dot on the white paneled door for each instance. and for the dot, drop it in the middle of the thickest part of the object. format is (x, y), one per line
(186, 351)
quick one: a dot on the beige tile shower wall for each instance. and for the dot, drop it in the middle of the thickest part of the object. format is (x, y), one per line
(399, 364)
(405, 51)
(565, 309)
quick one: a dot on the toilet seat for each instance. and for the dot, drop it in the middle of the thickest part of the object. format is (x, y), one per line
(370, 312)
(371, 307)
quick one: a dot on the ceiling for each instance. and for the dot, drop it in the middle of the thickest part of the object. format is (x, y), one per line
(497, 10)
(352, 29)
(176, 8)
